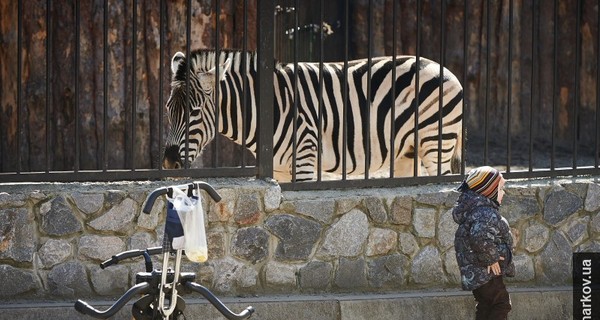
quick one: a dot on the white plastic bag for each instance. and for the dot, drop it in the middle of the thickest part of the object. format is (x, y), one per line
(191, 214)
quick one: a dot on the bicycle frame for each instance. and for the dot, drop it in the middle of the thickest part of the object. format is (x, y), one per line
(155, 293)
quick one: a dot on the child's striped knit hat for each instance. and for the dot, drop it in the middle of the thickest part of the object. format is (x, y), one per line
(484, 180)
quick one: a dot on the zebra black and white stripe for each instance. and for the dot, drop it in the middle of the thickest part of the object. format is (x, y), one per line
(367, 144)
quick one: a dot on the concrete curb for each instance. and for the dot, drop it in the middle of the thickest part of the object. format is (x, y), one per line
(528, 303)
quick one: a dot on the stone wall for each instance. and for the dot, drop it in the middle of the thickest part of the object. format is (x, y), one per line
(264, 241)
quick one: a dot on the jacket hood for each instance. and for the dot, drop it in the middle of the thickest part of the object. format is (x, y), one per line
(467, 201)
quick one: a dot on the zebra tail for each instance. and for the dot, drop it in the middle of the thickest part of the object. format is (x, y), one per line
(455, 162)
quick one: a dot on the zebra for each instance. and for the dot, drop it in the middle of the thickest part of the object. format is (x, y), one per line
(378, 132)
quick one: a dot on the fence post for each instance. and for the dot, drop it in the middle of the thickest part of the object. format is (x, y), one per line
(265, 98)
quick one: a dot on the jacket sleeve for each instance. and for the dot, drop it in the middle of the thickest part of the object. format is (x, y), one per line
(482, 238)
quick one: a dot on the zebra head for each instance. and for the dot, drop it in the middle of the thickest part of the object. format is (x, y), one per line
(199, 100)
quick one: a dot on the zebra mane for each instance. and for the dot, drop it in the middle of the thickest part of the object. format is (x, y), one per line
(204, 60)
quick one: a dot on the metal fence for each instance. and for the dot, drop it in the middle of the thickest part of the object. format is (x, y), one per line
(84, 85)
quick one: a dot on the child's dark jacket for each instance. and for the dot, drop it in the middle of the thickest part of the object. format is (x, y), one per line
(482, 237)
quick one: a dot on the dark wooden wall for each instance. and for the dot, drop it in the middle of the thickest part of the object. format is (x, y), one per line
(69, 112)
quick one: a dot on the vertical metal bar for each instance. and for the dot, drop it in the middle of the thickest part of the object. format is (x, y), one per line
(77, 87)
(19, 80)
(345, 92)
(320, 106)
(296, 95)
(463, 161)
(597, 136)
(441, 88)
(554, 87)
(188, 36)
(266, 9)
(48, 79)
(393, 94)
(217, 84)
(487, 82)
(416, 162)
(105, 89)
(133, 85)
(244, 74)
(161, 53)
(367, 120)
(577, 85)
(534, 64)
(509, 85)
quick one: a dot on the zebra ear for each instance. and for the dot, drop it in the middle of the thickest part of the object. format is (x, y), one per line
(223, 68)
(178, 58)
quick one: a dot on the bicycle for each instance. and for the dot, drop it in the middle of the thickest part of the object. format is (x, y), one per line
(160, 290)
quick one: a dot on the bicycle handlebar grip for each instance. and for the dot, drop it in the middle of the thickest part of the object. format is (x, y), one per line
(83, 307)
(152, 197)
(165, 190)
(209, 189)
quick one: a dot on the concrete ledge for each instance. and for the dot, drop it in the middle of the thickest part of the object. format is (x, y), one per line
(528, 303)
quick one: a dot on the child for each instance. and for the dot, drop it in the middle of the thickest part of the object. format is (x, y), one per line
(483, 242)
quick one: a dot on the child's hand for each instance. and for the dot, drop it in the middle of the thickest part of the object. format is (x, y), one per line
(495, 267)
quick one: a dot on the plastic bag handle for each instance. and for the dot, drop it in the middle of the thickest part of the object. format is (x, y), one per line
(169, 191)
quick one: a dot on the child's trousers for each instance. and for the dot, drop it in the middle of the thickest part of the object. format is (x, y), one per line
(493, 302)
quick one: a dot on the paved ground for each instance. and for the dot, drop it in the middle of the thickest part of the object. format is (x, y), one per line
(528, 303)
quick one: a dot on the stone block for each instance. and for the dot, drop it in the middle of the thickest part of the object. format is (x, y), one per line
(321, 210)
(110, 281)
(446, 229)
(17, 235)
(408, 243)
(100, 248)
(69, 280)
(272, 197)
(280, 275)
(16, 282)
(216, 244)
(516, 208)
(58, 218)
(223, 210)
(535, 237)
(424, 222)
(248, 210)
(346, 237)
(427, 267)
(375, 209)
(118, 219)
(231, 275)
(297, 236)
(388, 271)
(54, 251)
(344, 205)
(250, 244)
(560, 204)
(381, 241)
(576, 230)
(315, 275)
(401, 210)
(524, 269)
(150, 221)
(88, 203)
(12, 200)
(351, 274)
(142, 240)
(451, 266)
(554, 265)
(592, 199)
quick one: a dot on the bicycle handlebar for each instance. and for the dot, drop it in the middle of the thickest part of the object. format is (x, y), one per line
(129, 254)
(167, 190)
(83, 307)
(218, 304)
